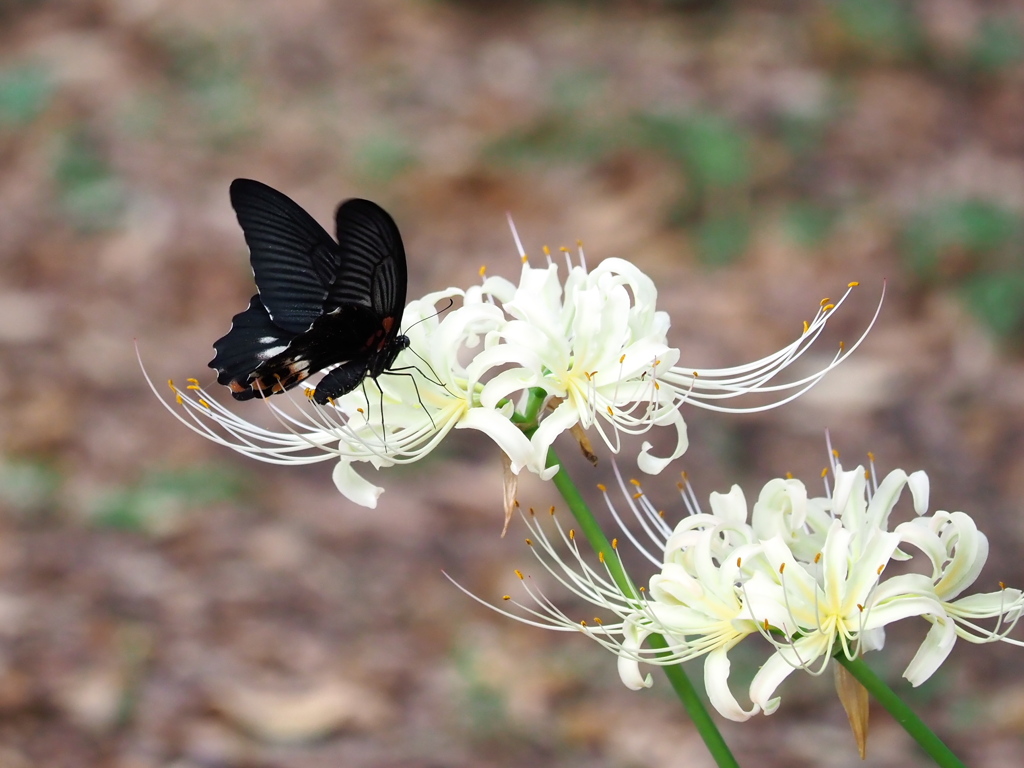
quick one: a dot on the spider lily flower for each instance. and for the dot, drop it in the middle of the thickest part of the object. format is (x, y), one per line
(805, 577)
(957, 552)
(596, 346)
(399, 418)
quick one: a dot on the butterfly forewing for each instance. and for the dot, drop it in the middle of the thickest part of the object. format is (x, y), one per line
(294, 260)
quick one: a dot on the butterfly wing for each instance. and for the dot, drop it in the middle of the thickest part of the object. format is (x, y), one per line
(372, 270)
(294, 261)
(348, 334)
(252, 340)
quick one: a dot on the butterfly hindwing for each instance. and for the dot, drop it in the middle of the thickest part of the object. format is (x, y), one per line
(348, 334)
(294, 261)
(253, 339)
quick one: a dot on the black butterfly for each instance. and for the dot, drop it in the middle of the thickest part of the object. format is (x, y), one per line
(320, 302)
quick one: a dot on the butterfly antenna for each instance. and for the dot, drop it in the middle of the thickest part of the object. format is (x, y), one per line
(439, 312)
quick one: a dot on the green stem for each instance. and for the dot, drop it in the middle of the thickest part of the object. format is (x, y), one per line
(904, 715)
(677, 677)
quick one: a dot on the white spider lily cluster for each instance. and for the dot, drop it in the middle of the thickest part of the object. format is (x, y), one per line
(806, 577)
(594, 346)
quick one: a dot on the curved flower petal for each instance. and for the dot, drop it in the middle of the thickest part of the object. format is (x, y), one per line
(355, 488)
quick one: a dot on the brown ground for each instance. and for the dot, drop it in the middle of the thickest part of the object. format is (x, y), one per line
(165, 603)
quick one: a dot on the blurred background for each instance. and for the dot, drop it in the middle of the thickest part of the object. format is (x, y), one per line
(164, 602)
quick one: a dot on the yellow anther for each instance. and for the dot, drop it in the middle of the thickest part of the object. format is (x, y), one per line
(835, 453)
(634, 481)
(178, 398)
(579, 243)
(602, 488)
(360, 410)
(881, 568)
(766, 625)
(506, 597)
(529, 542)
(685, 476)
(1002, 585)
(524, 258)
(817, 558)
(572, 534)
(193, 386)
(806, 327)
(615, 543)
(587, 374)
(600, 557)
(871, 456)
(551, 510)
(789, 475)
(842, 345)
(661, 513)
(638, 495)
(657, 385)
(547, 251)
(622, 359)
(782, 568)
(520, 575)
(867, 474)
(860, 607)
(824, 472)
(192, 381)
(597, 620)
(854, 284)
(739, 562)
(583, 622)
(828, 307)
(563, 249)
(483, 270)
(643, 589)
(696, 375)
(824, 302)
(610, 411)
(170, 383)
(204, 403)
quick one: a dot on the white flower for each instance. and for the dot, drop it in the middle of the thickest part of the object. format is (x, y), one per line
(807, 575)
(596, 346)
(403, 418)
(957, 551)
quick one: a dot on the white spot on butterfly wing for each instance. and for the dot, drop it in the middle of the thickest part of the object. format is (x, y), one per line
(270, 352)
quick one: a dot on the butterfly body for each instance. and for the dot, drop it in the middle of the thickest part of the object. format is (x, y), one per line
(320, 303)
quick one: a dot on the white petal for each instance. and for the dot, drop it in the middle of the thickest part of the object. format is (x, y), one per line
(933, 651)
(716, 682)
(919, 488)
(506, 434)
(731, 507)
(354, 487)
(652, 465)
(629, 668)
